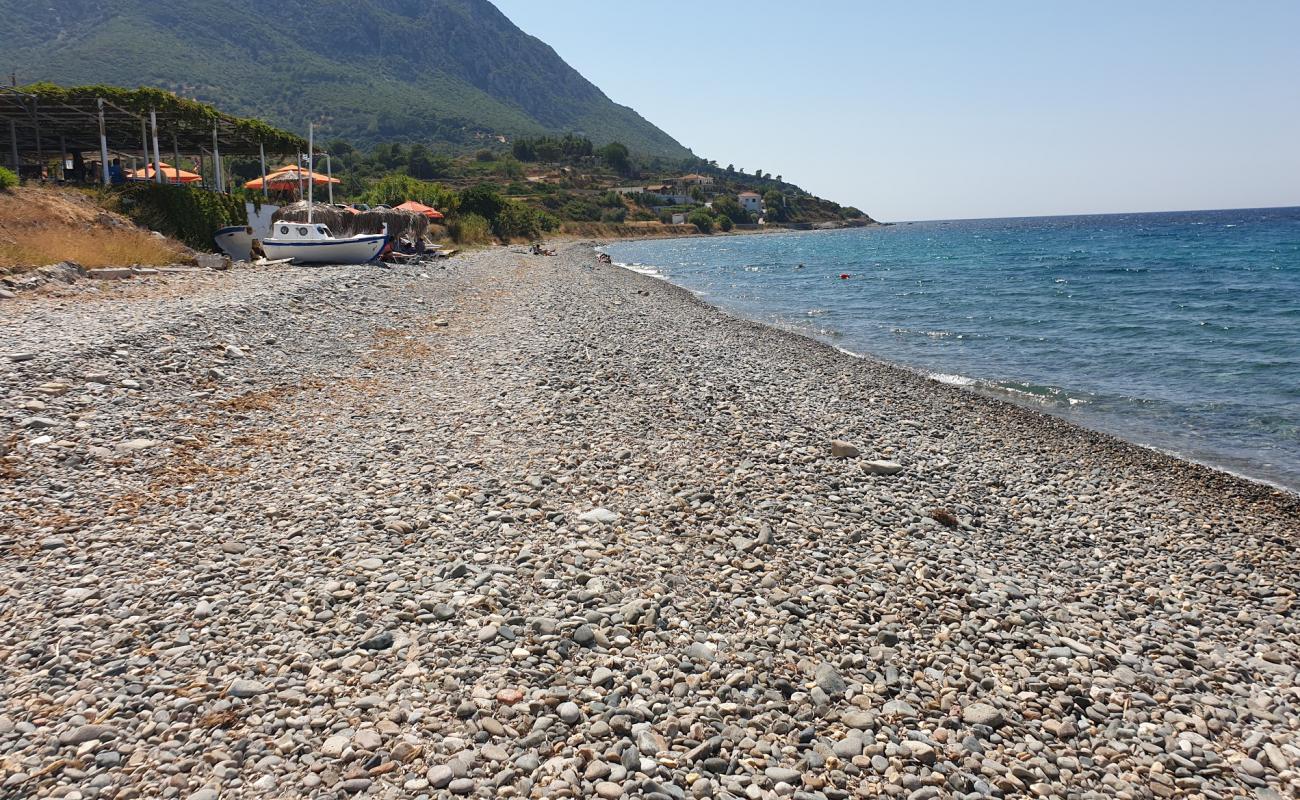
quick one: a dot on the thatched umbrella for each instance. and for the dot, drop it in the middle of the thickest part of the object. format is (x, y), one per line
(404, 224)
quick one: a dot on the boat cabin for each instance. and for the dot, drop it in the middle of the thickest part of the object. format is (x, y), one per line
(307, 231)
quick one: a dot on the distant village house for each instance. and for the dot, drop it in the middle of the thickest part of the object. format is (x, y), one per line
(751, 202)
(695, 179)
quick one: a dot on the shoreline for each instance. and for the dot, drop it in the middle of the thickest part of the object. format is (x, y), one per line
(512, 524)
(929, 375)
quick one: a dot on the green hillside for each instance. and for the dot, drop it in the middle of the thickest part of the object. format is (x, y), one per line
(433, 71)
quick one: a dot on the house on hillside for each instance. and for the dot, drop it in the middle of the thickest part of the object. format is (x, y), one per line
(751, 202)
(694, 179)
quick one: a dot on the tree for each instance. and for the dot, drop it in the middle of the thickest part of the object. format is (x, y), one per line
(774, 202)
(731, 168)
(701, 220)
(483, 200)
(524, 150)
(779, 179)
(727, 206)
(420, 163)
(616, 155)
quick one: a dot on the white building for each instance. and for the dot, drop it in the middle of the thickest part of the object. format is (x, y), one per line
(751, 202)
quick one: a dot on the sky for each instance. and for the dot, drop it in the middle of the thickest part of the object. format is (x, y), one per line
(954, 110)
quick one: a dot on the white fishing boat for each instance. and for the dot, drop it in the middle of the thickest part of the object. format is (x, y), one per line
(235, 241)
(312, 243)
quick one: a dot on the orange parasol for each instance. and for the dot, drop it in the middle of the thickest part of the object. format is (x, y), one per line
(420, 208)
(169, 174)
(288, 178)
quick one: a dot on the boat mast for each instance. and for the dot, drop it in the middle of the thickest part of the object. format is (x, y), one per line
(311, 177)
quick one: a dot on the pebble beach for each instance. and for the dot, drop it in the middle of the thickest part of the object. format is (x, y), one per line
(525, 526)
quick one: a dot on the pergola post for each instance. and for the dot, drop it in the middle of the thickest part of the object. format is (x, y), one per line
(13, 143)
(144, 146)
(216, 161)
(329, 173)
(261, 153)
(63, 158)
(176, 159)
(103, 146)
(40, 152)
(157, 159)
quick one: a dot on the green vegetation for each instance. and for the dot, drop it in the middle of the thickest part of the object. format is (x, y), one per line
(452, 72)
(469, 229)
(8, 179)
(183, 213)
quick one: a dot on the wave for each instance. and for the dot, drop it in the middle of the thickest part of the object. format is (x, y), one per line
(1038, 394)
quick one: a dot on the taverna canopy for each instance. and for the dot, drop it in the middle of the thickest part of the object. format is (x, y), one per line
(45, 117)
(420, 208)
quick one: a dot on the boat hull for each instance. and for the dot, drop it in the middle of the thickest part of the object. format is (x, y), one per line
(353, 250)
(235, 241)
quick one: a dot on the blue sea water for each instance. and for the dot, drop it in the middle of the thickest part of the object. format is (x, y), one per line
(1179, 331)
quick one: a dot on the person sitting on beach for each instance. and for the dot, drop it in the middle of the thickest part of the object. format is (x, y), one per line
(255, 251)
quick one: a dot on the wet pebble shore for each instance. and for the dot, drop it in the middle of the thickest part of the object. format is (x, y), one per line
(537, 527)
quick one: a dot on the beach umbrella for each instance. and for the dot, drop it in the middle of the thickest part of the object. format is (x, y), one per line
(169, 174)
(420, 208)
(289, 178)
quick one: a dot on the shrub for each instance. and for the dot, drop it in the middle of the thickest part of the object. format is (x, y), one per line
(485, 155)
(8, 179)
(469, 229)
(610, 199)
(725, 223)
(618, 215)
(581, 211)
(395, 188)
(518, 221)
(483, 200)
(702, 221)
(188, 214)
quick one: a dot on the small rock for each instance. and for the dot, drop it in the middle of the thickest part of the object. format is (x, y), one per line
(829, 680)
(569, 713)
(883, 467)
(381, 642)
(601, 515)
(843, 449)
(406, 752)
(334, 746)
(981, 714)
(245, 688)
(1251, 767)
(87, 733)
(783, 775)
(439, 776)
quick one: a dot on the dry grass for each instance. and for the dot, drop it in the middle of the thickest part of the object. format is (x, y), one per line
(44, 225)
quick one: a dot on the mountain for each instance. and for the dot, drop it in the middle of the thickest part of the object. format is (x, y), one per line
(453, 71)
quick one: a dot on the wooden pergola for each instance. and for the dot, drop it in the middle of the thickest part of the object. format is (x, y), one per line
(42, 119)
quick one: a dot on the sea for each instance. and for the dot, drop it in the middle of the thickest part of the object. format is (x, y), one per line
(1178, 331)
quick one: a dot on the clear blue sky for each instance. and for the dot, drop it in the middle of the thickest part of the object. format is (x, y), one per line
(941, 110)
